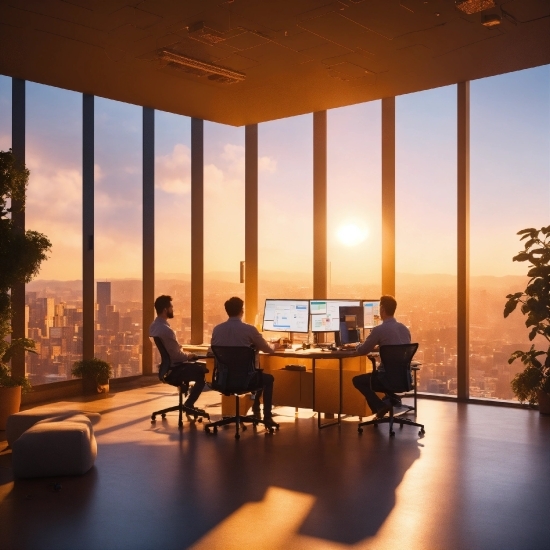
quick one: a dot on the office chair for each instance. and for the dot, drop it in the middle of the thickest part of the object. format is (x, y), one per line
(183, 388)
(395, 377)
(234, 370)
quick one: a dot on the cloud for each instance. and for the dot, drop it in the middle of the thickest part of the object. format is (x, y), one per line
(267, 164)
(173, 171)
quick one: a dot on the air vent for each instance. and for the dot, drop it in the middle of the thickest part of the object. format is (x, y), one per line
(474, 6)
(201, 68)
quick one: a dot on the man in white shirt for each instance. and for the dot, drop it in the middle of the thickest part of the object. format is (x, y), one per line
(390, 332)
(234, 332)
(183, 366)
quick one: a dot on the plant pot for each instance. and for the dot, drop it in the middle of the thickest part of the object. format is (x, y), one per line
(10, 401)
(544, 402)
(90, 386)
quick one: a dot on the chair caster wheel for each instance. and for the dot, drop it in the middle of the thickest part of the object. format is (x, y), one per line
(421, 432)
(215, 429)
(237, 436)
(243, 428)
(207, 429)
(400, 425)
(163, 415)
(153, 418)
(392, 434)
(199, 419)
(360, 430)
(180, 425)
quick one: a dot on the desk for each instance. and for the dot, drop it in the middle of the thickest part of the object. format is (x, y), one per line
(314, 388)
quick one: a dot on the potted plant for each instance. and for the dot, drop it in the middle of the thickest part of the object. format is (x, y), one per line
(21, 253)
(11, 387)
(533, 383)
(95, 375)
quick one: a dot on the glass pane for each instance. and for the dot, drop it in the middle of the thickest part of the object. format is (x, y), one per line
(285, 202)
(5, 113)
(54, 207)
(510, 191)
(426, 235)
(118, 235)
(223, 220)
(354, 201)
(173, 218)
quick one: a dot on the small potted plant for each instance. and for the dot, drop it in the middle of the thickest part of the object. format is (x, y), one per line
(11, 387)
(95, 375)
(533, 383)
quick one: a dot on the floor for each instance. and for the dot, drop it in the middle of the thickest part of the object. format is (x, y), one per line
(478, 479)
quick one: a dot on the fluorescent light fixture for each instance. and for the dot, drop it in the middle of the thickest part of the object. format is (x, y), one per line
(202, 67)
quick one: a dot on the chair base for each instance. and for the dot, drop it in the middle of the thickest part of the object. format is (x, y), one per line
(191, 414)
(391, 419)
(239, 421)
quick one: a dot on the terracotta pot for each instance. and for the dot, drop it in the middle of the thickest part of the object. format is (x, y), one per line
(544, 402)
(10, 401)
(91, 387)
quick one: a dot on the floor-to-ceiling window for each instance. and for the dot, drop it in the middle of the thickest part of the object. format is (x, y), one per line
(118, 235)
(426, 221)
(285, 206)
(173, 217)
(224, 219)
(54, 207)
(510, 191)
(354, 201)
(5, 113)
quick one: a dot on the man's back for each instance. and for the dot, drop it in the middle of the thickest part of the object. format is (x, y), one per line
(389, 333)
(234, 332)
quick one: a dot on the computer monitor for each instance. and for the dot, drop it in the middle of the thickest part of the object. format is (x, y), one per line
(351, 320)
(286, 316)
(371, 313)
(325, 314)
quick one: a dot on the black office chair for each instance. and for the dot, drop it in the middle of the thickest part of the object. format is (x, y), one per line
(395, 377)
(183, 388)
(234, 370)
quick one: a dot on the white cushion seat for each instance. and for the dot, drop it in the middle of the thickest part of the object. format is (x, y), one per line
(55, 447)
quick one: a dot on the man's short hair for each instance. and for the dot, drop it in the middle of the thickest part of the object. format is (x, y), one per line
(162, 303)
(389, 303)
(234, 306)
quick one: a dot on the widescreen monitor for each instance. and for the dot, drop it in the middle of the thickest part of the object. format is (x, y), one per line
(286, 316)
(371, 313)
(325, 314)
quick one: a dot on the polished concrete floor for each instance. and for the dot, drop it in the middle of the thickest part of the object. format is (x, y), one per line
(478, 479)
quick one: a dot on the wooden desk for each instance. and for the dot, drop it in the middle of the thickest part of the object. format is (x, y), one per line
(325, 386)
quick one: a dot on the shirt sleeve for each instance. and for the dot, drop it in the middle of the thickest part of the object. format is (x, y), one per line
(369, 344)
(259, 343)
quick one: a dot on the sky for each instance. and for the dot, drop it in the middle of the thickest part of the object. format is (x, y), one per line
(510, 183)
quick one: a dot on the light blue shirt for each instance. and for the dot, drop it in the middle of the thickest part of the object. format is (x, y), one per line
(389, 333)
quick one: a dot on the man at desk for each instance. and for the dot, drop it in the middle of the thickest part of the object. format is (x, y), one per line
(234, 332)
(183, 366)
(390, 332)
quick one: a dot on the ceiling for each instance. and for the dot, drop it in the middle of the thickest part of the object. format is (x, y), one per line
(289, 57)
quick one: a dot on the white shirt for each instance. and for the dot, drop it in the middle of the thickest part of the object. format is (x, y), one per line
(161, 329)
(234, 332)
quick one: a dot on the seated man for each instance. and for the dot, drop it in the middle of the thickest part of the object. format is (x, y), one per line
(183, 367)
(390, 332)
(234, 332)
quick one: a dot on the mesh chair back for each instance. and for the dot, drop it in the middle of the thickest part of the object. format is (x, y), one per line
(396, 361)
(234, 368)
(164, 357)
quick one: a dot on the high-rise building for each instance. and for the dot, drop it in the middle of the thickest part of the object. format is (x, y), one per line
(103, 300)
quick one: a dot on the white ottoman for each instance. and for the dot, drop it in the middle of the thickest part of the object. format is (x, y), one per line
(55, 447)
(20, 422)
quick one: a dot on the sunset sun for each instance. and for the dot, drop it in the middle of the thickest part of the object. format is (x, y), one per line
(352, 235)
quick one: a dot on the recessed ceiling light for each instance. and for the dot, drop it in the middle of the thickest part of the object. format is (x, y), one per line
(474, 6)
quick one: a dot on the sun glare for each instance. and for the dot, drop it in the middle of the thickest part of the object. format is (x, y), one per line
(352, 235)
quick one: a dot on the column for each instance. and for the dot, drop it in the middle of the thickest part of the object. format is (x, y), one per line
(463, 235)
(388, 196)
(251, 224)
(148, 235)
(320, 205)
(197, 230)
(18, 217)
(88, 302)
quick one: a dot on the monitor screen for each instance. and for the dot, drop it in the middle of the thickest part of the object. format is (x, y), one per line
(286, 316)
(325, 314)
(371, 313)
